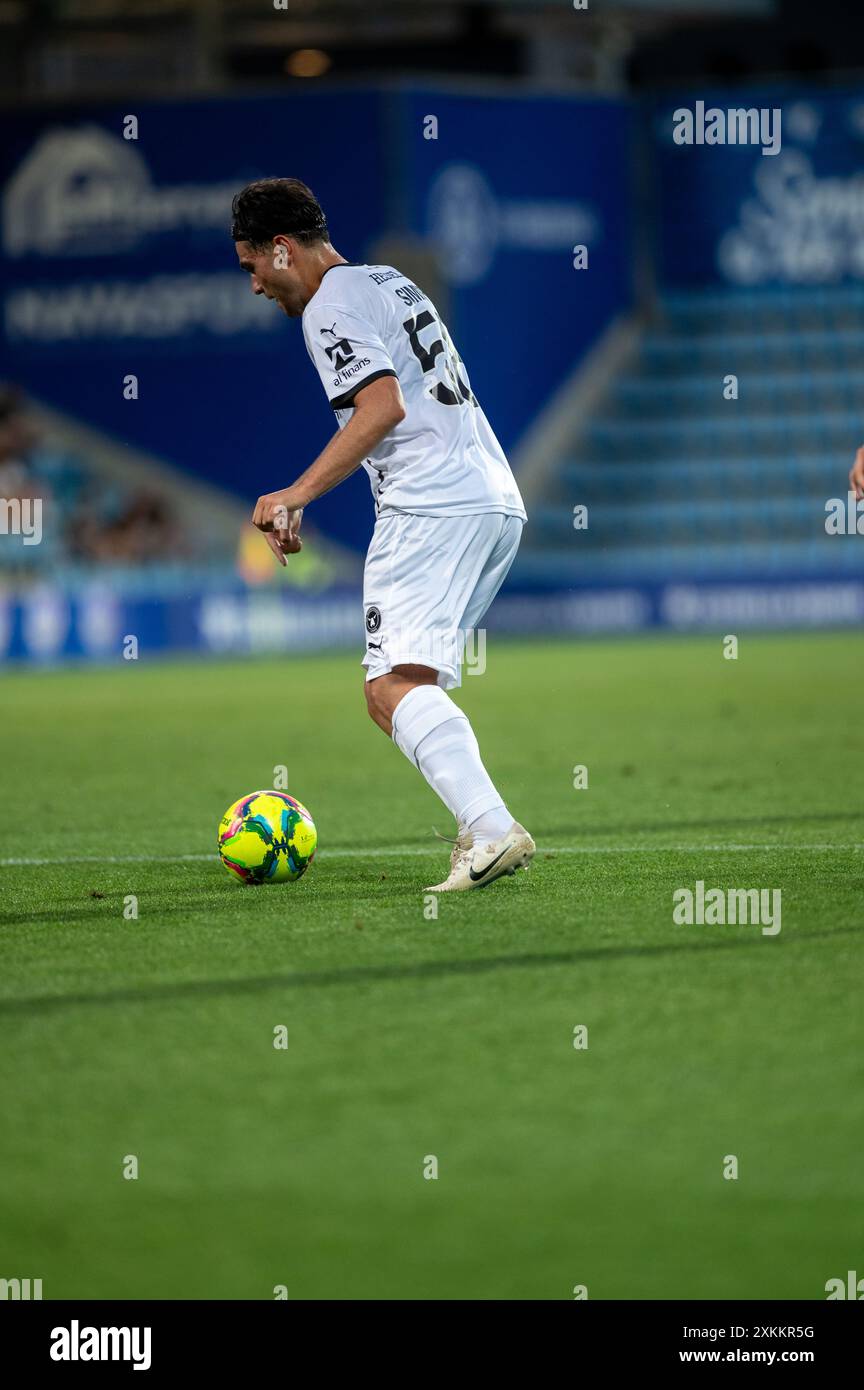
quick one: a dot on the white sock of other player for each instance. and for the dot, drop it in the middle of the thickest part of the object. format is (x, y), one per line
(436, 736)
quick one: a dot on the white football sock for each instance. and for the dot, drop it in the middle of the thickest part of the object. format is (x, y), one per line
(436, 736)
(491, 825)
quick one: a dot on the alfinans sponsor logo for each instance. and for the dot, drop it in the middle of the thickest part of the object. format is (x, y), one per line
(76, 1343)
(348, 372)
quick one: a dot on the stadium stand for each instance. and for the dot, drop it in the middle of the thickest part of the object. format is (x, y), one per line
(680, 481)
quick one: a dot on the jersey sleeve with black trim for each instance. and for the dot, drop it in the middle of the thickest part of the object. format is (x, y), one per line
(346, 349)
(442, 458)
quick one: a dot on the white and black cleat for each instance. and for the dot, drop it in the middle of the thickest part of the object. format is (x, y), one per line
(475, 866)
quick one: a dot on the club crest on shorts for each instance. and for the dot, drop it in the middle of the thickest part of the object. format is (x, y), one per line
(373, 618)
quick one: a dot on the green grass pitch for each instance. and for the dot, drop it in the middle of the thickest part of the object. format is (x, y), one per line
(410, 1037)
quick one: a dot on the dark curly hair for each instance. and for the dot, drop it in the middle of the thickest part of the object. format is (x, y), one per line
(270, 207)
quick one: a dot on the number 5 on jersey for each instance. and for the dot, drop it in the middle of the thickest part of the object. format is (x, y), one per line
(450, 389)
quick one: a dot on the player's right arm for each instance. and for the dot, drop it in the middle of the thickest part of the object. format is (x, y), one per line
(856, 475)
(377, 408)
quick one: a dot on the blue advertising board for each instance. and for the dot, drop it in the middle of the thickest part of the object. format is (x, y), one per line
(731, 214)
(117, 261)
(48, 625)
(506, 189)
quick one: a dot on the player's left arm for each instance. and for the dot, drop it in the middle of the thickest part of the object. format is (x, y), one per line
(378, 407)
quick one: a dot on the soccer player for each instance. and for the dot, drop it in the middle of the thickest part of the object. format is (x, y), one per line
(449, 513)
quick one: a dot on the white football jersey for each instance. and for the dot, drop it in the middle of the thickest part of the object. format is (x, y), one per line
(369, 321)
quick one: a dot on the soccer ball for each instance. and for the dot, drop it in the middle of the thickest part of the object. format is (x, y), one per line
(267, 837)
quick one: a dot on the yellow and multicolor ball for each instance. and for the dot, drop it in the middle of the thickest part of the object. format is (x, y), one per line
(267, 837)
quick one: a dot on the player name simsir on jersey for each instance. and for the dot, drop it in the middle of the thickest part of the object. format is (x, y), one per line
(369, 321)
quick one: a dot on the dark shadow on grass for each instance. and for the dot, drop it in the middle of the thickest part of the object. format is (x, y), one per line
(376, 974)
(246, 900)
(725, 823)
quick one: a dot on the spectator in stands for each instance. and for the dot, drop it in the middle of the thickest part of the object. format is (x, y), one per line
(17, 437)
(20, 482)
(86, 520)
(856, 476)
(126, 529)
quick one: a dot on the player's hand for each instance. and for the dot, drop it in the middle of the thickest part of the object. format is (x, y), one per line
(856, 475)
(280, 523)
